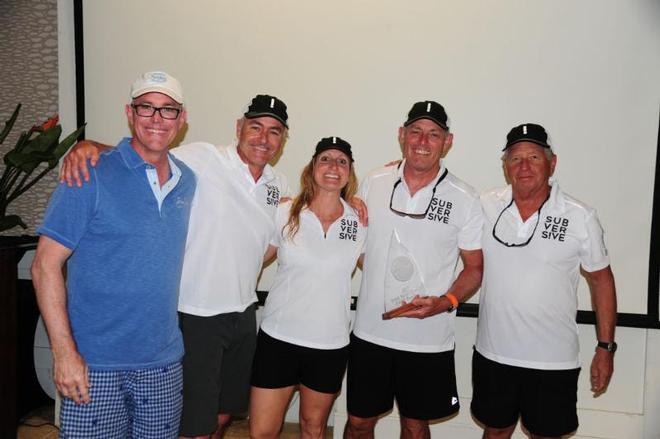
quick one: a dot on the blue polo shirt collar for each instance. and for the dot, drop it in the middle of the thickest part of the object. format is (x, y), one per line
(130, 156)
(133, 161)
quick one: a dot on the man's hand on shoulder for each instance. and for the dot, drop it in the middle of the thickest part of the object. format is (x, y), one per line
(74, 164)
(360, 208)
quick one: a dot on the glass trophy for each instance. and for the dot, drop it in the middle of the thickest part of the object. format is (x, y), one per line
(403, 279)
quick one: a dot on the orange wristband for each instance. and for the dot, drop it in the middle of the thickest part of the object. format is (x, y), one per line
(453, 300)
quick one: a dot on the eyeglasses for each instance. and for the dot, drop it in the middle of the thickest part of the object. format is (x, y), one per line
(522, 244)
(416, 215)
(146, 110)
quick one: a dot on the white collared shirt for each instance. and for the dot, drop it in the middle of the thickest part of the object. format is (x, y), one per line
(528, 299)
(309, 302)
(454, 222)
(231, 223)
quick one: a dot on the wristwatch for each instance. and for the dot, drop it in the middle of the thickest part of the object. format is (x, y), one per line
(609, 346)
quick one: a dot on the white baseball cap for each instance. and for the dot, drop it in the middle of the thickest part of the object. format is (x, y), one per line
(159, 82)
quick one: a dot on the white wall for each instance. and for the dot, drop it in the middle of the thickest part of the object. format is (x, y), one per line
(598, 149)
(586, 70)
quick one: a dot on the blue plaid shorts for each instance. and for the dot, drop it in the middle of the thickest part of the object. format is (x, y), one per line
(142, 403)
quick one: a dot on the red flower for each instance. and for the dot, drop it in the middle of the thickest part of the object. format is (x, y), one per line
(50, 123)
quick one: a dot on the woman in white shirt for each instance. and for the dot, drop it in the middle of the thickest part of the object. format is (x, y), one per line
(304, 335)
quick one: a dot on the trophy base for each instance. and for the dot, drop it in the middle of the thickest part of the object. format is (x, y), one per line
(396, 312)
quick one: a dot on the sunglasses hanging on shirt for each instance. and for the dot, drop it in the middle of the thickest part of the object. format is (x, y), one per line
(522, 244)
(416, 215)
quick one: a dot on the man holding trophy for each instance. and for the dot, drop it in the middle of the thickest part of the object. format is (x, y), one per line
(421, 219)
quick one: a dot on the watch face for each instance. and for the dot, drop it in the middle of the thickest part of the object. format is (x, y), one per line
(608, 346)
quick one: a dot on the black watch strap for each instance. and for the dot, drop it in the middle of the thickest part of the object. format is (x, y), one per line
(609, 346)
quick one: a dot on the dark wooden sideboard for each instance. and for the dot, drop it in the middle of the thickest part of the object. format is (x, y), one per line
(12, 250)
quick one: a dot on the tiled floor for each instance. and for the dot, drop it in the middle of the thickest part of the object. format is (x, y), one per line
(39, 425)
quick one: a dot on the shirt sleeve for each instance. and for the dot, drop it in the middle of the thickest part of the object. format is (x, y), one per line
(70, 211)
(363, 243)
(197, 156)
(363, 189)
(593, 252)
(469, 237)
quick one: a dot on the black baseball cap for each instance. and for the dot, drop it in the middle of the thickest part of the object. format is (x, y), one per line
(334, 142)
(527, 132)
(267, 105)
(430, 110)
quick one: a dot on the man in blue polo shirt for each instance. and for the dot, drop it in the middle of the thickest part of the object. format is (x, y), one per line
(113, 328)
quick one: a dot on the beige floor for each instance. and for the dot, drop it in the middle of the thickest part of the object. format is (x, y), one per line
(39, 426)
(240, 430)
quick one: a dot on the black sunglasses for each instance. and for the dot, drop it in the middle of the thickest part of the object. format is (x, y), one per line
(522, 244)
(416, 215)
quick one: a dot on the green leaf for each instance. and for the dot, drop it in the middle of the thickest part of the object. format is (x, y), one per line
(46, 141)
(64, 146)
(22, 140)
(33, 148)
(27, 162)
(9, 124)
(42, 149)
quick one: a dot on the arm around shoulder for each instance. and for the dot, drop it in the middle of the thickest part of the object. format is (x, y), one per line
(74, 165)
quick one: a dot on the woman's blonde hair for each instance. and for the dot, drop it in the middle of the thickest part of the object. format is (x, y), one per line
(307, 193)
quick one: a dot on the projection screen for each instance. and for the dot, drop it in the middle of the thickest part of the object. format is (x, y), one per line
(588, 71)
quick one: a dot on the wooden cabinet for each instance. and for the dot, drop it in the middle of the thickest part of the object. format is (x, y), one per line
(12, 250)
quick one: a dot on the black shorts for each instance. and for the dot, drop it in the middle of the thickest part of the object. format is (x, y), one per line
(545, 399)
(423, 384)
(216, 367)
(280, 364)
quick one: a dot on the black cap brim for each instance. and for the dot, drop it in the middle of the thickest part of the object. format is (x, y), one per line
(538, 142)
(274, 116)
(436, 121)
(347, 152)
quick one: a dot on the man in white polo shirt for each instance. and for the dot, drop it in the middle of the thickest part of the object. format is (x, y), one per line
(231, 223)
(428, 217)
(536, 239)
